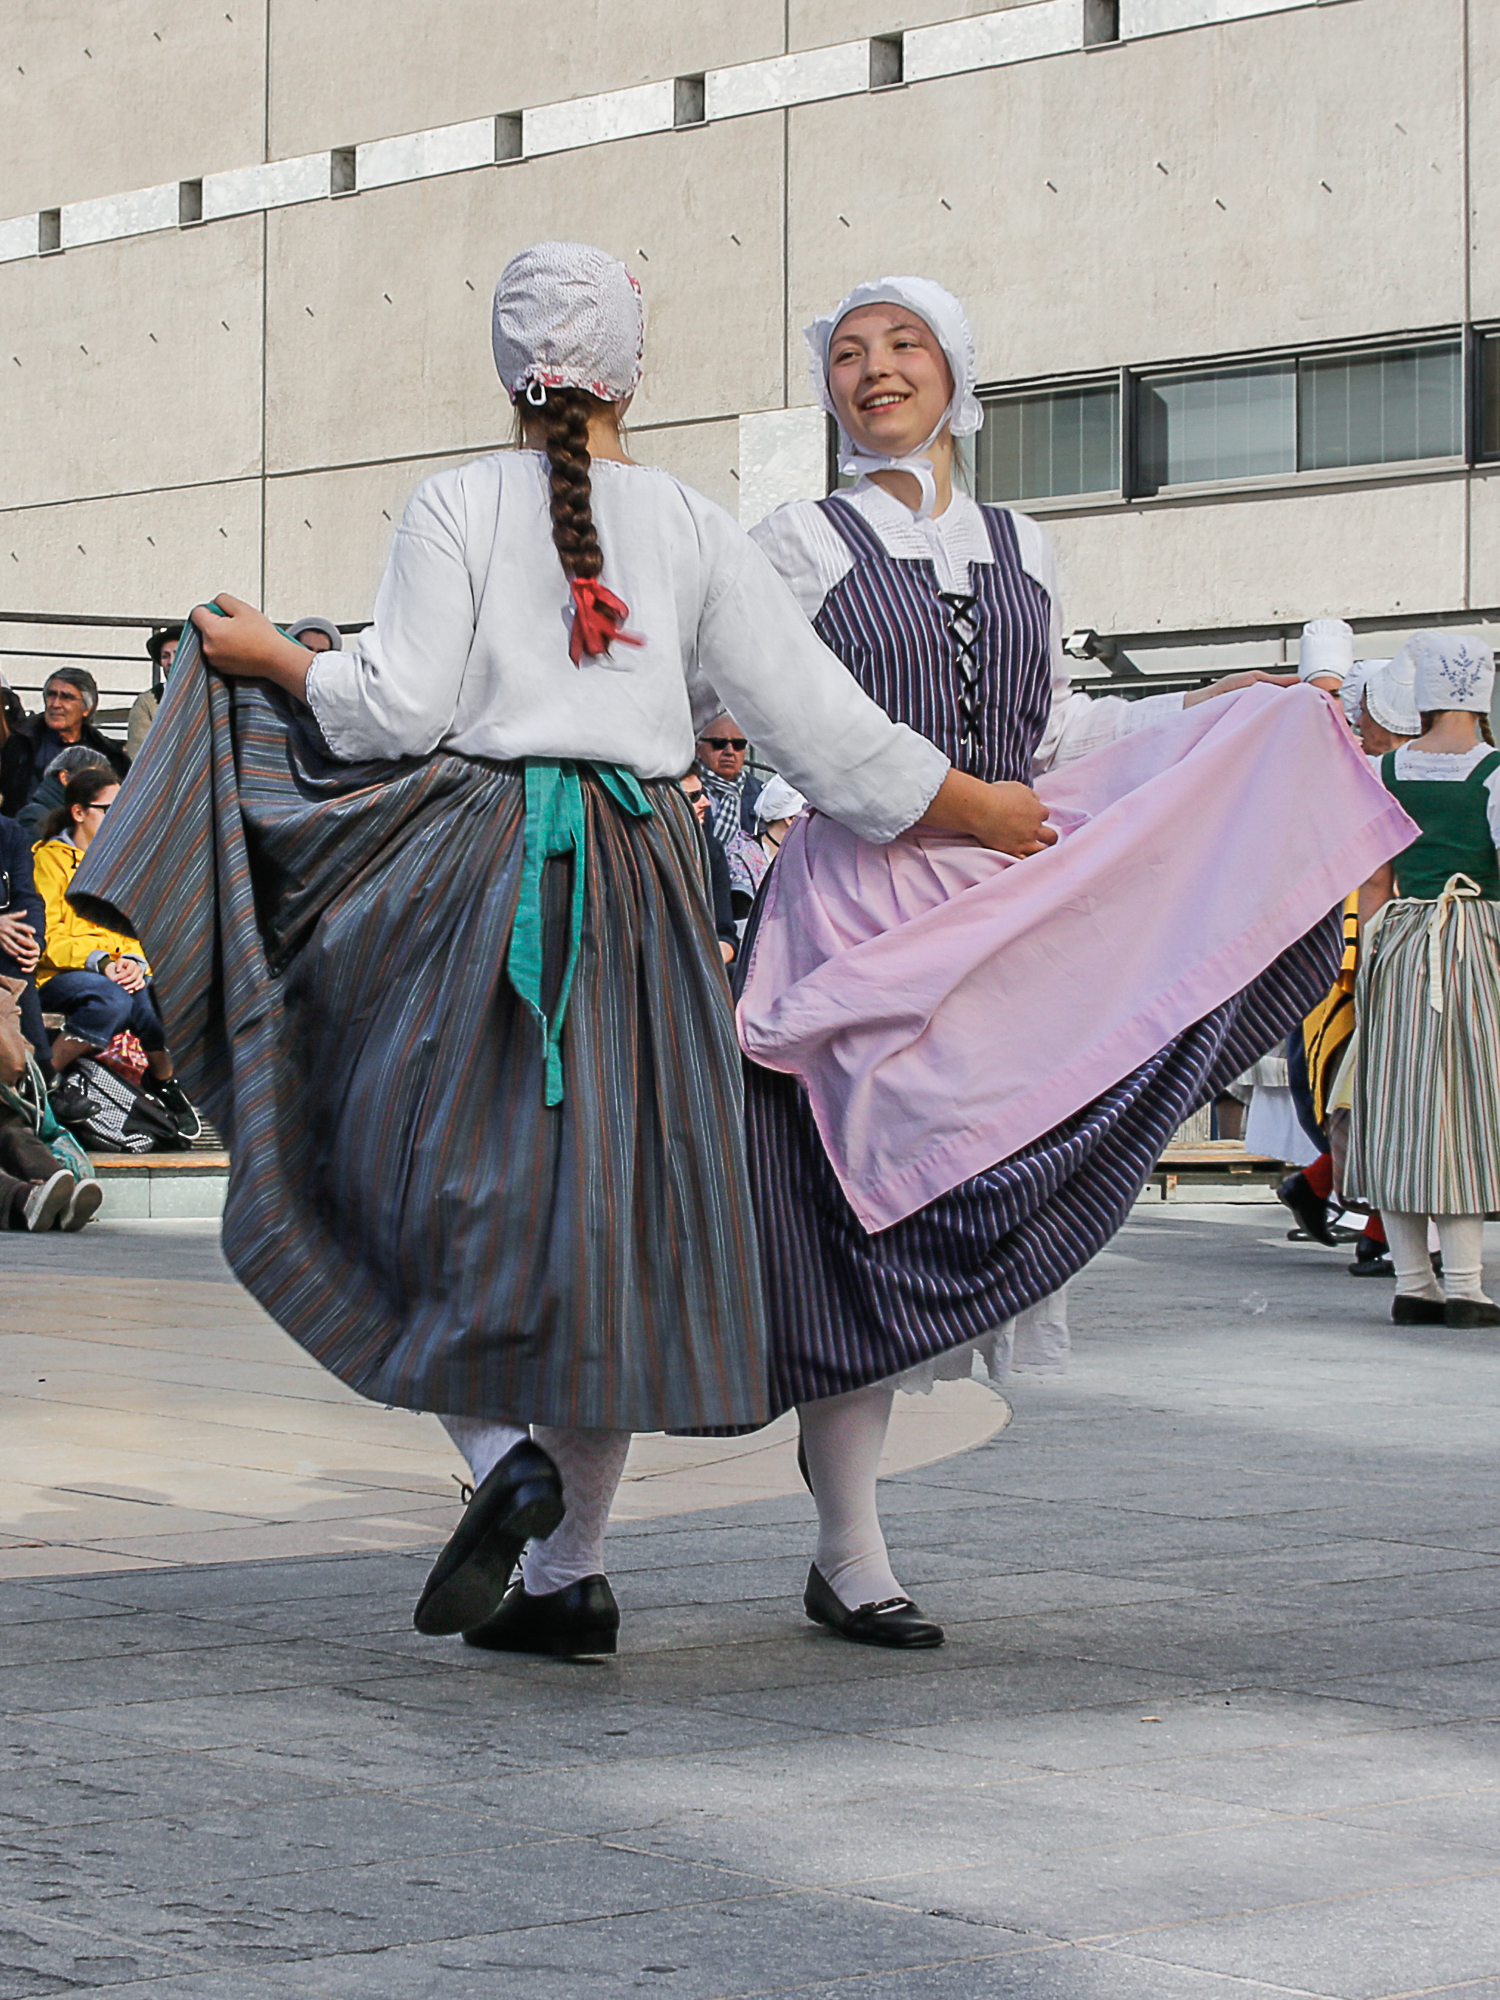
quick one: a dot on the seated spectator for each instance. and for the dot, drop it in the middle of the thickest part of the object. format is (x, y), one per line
(48, 795)
(776, 808)
(98, 979)
(68, 700)
(715, 868)
(23, 932)
(161, 649)
(732, 795)
(45, 1181)
(319, 635)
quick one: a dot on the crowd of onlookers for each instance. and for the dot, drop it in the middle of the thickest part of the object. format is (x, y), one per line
(83, 1053)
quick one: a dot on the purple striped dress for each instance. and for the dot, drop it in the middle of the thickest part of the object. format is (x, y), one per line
(971, 671)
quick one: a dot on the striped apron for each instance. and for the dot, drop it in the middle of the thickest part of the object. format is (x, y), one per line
(375, 977)
(846, 1307)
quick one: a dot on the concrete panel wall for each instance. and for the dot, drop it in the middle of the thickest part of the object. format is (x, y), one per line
(1484, 160)
(141, 553)
(705, 456)
(1484, 537)
(813, 22)
(346, 70)
(101, 99)
(1133, 258)
(378, 319)
(1357, 552)
(132, 364)
(328, 535)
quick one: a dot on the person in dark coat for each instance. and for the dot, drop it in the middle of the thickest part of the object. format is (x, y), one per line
(715, 868)
(69, 699)
(23, 934)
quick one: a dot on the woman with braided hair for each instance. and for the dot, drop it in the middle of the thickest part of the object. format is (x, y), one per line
(459, 1008)
(962, 1072)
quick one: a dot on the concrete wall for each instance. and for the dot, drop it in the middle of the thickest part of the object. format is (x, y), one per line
(247, 403)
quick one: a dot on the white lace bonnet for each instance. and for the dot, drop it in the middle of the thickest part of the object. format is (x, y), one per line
(568, 316)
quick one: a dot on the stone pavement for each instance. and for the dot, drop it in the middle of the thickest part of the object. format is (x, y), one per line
(1219, 1714)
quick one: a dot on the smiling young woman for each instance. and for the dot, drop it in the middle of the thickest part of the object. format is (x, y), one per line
(914, 1217)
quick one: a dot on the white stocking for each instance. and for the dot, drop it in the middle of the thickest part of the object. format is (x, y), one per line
(1462, 1238)
(482, 1443)
(843, 1437)
(1407, 1236)
(590, 1463)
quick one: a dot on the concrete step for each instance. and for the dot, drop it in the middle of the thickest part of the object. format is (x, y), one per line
(139, 1186)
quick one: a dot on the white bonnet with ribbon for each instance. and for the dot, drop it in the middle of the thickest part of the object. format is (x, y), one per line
(1450, 670)
(1391, 696)
(939, 311)
(568, 316)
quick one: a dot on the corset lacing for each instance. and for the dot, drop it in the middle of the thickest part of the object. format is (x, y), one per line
(962, 612)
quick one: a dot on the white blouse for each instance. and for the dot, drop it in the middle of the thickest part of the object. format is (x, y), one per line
(469, 647)
(813, 556)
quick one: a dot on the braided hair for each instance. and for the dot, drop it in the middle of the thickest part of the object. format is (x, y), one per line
(560, 427)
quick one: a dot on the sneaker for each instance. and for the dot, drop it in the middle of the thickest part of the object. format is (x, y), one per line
(175, 1101)
(48, 1199)
(70, 1102)
(83, 1205)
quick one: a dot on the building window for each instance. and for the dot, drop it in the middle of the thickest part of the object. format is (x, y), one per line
(1489, 395)
(1377, 409)
(1203, 427)
(1062, 441)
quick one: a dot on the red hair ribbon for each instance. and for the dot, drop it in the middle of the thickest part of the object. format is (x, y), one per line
(598, 620)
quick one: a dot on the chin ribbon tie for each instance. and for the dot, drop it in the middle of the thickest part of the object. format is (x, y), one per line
(598, 620)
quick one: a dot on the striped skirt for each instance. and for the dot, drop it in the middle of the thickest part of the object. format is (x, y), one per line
(1424, 1128)
(847, 1307)
(330, 944)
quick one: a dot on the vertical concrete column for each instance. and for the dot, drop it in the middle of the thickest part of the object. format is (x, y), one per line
(783, 456)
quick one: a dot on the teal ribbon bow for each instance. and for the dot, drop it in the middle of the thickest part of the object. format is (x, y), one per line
(555, 825)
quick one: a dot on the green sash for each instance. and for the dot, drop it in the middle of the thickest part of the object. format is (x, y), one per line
(555, 825)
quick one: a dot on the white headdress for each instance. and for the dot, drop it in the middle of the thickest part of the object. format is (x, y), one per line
(1390, 695)
(778, 800)
(941, 312)
(1352, 692)
(1450, 670)
(1327, 649)
(568, 316)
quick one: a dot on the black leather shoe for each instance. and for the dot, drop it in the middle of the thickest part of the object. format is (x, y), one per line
(895, 1621)
(580, 1618)
(1372, 1260)
(1471, 1312)
(522, 1498)
(1407, 1311)
(1309, 1210)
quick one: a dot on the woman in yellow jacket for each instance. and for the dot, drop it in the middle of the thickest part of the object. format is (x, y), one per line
(98, 979)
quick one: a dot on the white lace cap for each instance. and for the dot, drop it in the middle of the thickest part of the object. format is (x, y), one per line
(1327, 649)
(1450, 670)
(568, 316)
(778, 800)
(939, 311)
(1390, 695)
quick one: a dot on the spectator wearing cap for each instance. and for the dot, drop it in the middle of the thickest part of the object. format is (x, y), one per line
(161, 649)
(69, 699)
(48, 795)
(318, 635)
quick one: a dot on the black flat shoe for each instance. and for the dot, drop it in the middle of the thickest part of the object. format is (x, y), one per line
(580, 1618)
(895, 1621)
(1407, 1311)
(1372, 1260)
(521, 1499)
(1471, 1312)
(1309, 1210)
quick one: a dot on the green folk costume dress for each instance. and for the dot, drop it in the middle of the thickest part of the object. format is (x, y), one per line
(1425, 1127)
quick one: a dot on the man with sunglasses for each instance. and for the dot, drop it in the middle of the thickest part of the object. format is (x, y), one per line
(732, 792)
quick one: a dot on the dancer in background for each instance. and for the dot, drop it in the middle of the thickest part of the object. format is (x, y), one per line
(1424, 1135)
(437, 948)
(961, 1075)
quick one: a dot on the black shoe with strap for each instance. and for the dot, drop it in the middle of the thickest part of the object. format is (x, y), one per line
(894, 1621)
(521, 1498)
(582, 1618)
(1310, 1209)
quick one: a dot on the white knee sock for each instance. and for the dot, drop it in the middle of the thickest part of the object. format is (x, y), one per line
(1407, 1236)
(590, 1463)
(1462, 1238)
(482, 1443)
(842, 1437)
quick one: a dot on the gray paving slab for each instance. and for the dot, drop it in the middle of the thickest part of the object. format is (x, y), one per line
(1219, 1714)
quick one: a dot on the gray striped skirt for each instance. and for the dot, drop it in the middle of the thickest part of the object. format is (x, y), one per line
(330, 944)
(1424, 1127)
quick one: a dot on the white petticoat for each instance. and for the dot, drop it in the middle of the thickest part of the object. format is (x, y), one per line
(1035, 1342)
